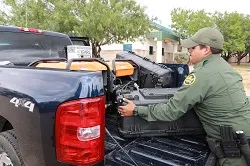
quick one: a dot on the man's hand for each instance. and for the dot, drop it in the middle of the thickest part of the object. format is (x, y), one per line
(128, 109)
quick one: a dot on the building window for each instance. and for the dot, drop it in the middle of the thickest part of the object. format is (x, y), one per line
(162, 51)
(151, 50)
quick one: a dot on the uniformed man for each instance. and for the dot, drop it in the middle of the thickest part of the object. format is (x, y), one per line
(213, 89)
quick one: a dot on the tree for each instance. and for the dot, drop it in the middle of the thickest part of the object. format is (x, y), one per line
(63, 16)
(111, 21)
(28, 13)
(187, 22)
(3, 15)
(2, 19)
(55, 15)
(235, 29)
(103, 21)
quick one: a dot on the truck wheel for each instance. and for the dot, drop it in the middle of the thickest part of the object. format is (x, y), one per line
(9, 150)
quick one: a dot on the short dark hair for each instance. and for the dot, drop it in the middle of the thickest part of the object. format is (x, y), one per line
(213, 50)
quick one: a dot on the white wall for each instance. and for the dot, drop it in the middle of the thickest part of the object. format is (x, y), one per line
(112, 47)
(141, 47)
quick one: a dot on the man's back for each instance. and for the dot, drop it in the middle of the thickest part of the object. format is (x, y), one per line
(225, 102)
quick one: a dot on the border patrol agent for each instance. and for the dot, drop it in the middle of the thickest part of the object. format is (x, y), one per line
(216, 93)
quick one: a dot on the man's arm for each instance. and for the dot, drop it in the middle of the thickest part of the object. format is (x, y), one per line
(193, 91)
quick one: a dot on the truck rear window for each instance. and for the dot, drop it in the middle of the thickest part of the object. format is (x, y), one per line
(23, 48)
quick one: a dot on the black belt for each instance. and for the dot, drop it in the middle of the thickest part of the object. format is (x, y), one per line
(224, 149)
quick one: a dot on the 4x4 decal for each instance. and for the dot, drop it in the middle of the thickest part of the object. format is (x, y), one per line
(23, 103)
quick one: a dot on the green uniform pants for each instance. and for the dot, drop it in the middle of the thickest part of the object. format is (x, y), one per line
(232, 162)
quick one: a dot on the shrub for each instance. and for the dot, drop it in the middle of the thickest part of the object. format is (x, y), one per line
(181, 57)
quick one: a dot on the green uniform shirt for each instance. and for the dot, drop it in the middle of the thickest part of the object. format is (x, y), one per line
(215, 91)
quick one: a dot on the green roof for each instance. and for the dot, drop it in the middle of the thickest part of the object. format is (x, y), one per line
(162, 33)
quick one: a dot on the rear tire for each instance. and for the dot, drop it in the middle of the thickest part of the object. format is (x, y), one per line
(9, 150)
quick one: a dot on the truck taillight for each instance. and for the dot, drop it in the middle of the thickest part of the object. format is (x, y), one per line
(79, 131)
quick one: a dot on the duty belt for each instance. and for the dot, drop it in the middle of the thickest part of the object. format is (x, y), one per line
(231, 145)
(222, 149)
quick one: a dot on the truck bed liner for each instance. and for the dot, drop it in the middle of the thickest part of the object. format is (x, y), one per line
(171, 151)
(157, 151)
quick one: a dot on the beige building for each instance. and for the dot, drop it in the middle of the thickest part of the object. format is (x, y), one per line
(157, 46)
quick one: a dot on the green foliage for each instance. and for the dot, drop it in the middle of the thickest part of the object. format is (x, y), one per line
(187, 22)
(63, 16)
(2, 19)
(181, 57)
(3, 16)
(112, 21)
(103, 21)
(55, 15)
(234, 26)
(28, 13)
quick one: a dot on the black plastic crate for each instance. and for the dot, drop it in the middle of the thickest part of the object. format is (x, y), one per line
(151, 74)
(135, 126)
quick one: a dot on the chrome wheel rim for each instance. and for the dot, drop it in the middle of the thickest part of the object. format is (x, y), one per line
(5, 160)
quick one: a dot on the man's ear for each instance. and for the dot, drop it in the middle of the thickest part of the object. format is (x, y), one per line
(207, 50)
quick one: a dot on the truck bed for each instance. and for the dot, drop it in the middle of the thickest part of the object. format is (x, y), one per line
(167, 151)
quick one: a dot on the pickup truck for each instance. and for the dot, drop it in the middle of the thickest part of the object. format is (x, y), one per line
(53, 117)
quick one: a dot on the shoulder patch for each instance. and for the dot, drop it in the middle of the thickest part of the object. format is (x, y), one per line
(190, 79)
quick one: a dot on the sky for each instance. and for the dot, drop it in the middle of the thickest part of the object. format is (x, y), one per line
(162, 8)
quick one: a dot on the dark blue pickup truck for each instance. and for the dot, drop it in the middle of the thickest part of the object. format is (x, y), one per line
(53, 117)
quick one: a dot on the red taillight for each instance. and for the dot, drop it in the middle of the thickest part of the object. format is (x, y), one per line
(30, 30)
(79, 131)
